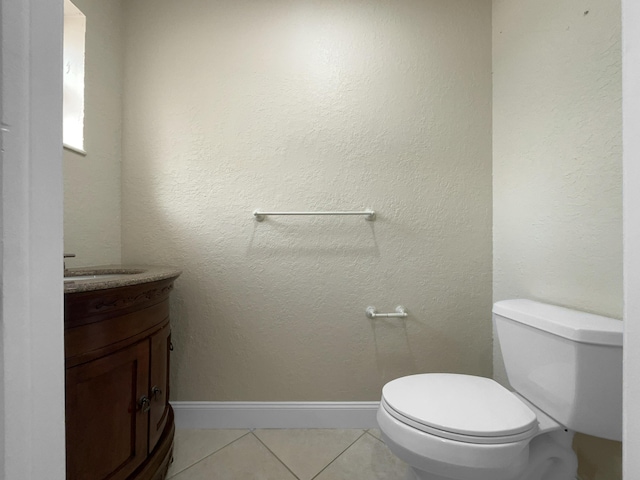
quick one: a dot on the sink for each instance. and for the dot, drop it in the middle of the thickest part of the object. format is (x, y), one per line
(102, 276)
(79, 275)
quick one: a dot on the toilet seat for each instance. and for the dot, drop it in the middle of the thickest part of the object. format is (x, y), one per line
(459, 407)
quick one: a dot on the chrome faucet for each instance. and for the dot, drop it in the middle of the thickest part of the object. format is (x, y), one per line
(67, 255)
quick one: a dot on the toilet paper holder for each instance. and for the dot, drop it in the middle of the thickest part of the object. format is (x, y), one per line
(400, 312)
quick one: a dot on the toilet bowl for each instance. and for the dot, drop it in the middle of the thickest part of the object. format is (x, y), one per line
(473, 429)
(464, 427)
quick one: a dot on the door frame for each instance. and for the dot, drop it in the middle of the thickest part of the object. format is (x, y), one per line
(31, 241)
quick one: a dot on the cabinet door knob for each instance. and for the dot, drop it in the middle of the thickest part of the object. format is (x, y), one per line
(156, 392)
(144, 403)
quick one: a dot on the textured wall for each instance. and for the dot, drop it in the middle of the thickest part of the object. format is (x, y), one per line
(235, 105)
(92, 183)
(557, 166)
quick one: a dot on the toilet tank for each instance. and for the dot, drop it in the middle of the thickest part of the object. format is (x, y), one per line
(567, 363)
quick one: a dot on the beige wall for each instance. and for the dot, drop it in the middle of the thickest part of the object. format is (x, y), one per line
(92, 183)
(557, 166)
(288, 105)
(349, 105)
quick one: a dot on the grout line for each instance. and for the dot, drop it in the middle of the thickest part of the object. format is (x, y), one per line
(379, 439)
(272, 453)
(339, 455)
(212, 453)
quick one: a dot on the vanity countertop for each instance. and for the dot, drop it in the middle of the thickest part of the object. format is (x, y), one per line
(101, 277)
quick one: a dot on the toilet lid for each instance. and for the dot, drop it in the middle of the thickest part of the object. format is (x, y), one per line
(459, 404)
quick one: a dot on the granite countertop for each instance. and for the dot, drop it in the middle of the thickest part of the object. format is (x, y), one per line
(112, 276)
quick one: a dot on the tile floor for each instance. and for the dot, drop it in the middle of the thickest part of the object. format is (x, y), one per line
(305, 454)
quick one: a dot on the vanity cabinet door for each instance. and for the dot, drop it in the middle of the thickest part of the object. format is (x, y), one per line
(159, 384)
(106, 425)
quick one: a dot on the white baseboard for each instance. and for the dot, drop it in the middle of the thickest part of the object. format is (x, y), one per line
(275, 414)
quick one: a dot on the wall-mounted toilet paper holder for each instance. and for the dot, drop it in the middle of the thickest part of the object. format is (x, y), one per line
(401, 312)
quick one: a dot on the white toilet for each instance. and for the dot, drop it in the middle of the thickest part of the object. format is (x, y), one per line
(566, 369)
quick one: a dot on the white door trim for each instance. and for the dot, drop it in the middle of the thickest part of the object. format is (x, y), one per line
(31, 306)
(631, 221)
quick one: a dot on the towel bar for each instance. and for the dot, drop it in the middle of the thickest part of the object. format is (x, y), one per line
(368, 214)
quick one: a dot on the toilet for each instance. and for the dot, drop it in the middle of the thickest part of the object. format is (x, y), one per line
(565, 368)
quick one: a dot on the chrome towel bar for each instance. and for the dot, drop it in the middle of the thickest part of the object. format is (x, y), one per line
(401, 312)
(368, 214)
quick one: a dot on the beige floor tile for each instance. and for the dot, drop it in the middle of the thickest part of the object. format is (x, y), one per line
(244, 459)
(191, 446)
(367, 459)
(375, 432)
(307, 451)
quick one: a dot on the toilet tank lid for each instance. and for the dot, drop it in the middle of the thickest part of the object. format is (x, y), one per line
(574, 325)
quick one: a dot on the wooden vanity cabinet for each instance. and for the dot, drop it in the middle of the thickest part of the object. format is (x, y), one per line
(105, 435)
(119, 423)
(159, 381)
